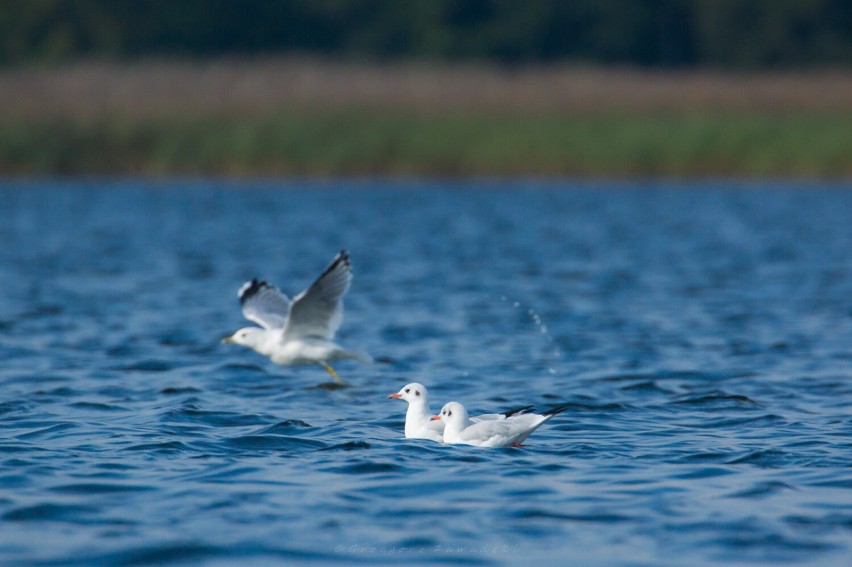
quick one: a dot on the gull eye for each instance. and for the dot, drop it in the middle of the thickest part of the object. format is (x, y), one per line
(407, 390)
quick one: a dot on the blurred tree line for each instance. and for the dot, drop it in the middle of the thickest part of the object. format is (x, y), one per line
(656, 33)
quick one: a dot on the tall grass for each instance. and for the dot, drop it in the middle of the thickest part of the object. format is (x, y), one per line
(599, 123)
(374, 142)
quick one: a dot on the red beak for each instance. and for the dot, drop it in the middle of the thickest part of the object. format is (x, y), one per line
(394, 396)
(436, 418)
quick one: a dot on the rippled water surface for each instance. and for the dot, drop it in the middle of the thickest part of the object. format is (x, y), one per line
(701, 333)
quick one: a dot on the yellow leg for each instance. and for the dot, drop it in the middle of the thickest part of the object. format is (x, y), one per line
(331, 371)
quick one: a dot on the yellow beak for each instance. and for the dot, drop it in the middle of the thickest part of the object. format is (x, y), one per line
(227, 340)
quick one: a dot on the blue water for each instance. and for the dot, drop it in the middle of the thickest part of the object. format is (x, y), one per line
(701, 333)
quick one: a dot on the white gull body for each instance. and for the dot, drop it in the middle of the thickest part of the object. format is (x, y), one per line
(299, 331)
(459, 429)
(418, 418)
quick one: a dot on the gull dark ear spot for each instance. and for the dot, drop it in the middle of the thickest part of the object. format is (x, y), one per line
(449, 413)
(416, 392)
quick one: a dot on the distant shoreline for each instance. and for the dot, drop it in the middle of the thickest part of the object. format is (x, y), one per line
(273, 117)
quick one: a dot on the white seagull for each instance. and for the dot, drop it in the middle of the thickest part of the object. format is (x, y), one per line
(298, 331)
(418, 418)
(510, 432)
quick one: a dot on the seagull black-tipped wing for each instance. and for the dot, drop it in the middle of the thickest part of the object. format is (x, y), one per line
(264, 304)
(500, 416)
(318, 311)
(556, 410)
(517, 411)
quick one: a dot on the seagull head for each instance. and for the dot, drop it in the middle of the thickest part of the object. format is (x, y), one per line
(414, 393)
(248, 337)
(453, 413)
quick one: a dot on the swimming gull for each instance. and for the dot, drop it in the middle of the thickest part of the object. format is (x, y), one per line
(510, 432)
(418, 418)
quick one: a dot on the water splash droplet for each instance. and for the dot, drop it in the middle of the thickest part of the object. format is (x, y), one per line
(543, 331)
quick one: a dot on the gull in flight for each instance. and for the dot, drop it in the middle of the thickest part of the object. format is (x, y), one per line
(418, 418)
(510, 432)
(299, 331)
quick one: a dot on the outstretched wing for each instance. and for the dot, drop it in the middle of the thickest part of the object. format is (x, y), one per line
(264, 304)
(318, 311)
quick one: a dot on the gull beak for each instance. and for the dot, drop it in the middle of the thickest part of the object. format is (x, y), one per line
(395, 396)
(227, 340)
(436, 418)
